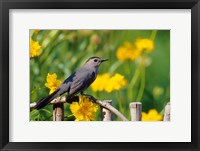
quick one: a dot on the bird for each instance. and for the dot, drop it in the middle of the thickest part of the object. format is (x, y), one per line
(76, 83)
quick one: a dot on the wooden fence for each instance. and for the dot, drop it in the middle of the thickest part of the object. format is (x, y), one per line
(106, 110)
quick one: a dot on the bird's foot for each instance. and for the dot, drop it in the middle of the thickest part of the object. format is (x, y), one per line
(72, 99)
(90, 97)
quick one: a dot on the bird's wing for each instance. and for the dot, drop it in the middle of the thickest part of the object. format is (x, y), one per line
(81, 81)
(65, 86)
(70, 78)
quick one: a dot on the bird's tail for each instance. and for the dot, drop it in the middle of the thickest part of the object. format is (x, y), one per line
(43, 102)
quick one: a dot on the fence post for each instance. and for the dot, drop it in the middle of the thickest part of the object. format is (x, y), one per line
(58, 112)
(136, 111)
(106, 114)
(167, 112)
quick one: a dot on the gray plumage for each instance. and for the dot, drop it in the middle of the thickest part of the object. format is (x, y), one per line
(76, 82)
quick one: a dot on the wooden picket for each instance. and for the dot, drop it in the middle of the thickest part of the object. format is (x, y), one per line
(106, 110)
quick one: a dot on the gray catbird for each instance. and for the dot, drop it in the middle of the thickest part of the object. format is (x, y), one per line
(75, 83)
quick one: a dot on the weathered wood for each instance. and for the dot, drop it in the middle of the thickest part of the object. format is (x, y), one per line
(167, 112)
(136, 111)
(112, 109)
(58, 100)
(32, 105)
(106, 115)
(58, 112)
(76, 99)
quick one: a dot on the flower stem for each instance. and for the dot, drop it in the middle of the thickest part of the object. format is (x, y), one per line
(153, 35)
(115, 66)
(142, 85)
(134, 80)
(120, 102)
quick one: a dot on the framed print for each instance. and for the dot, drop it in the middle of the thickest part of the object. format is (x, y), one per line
(99, 75)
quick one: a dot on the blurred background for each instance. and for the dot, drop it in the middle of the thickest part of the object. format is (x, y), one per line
(138, 68)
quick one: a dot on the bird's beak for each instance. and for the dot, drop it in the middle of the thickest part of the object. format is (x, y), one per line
(102, 60)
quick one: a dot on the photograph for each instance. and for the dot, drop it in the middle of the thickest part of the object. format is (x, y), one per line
(99, 75)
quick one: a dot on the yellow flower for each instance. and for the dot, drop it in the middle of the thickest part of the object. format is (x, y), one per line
(84, 110)
(34, 48)
(100, 82)
(152, 115)
(127, 52)
(144, 44)
(107, 83)
(115, 83)
(52, 82)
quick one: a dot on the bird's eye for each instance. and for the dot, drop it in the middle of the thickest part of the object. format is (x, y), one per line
(95, 60)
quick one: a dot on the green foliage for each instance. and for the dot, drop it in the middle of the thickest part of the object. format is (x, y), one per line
(64, 51)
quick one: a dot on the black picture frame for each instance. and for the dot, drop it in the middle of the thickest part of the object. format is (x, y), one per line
(5, 5)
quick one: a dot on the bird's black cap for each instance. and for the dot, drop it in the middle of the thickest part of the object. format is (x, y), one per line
(102, 60)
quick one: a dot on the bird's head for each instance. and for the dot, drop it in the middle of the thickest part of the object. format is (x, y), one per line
(94, 62)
